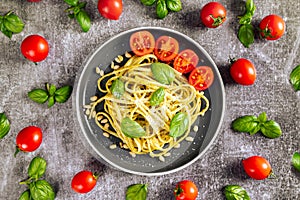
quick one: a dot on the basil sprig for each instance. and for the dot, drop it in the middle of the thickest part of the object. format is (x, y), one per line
(296, 161)
(157, 97)
(51, 93)
(137, 192)
(164, 6)
(117, 88)
(131, 128)
(77, 11)
(11, 24)
(252, 124)
(235, 192)
(38, 189)
(295, 78)
(163, 73)
(246, 30)
(179, 124)
(4, 125)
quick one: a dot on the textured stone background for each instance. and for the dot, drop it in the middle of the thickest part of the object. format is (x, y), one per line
(219, 167)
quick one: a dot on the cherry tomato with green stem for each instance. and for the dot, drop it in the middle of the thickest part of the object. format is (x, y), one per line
(243, 71)
(213, 14)
(35, 48)
(84, 181)
(257, 167)
(272, 27)
(110, 9)
(186, 190)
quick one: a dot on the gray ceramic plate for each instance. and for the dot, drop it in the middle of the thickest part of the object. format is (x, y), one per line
(98, 145)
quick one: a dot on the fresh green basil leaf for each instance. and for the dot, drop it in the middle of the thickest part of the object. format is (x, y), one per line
(235, 192)
(174, 5)
(163, 73)
(262, 117)
(38, 95)
(25, 195)
(131, 128)
(248, 124)
(84, 20)
(157, 97)
(179, 124)
(37, 168)
(148, 2)
(63, 94)
(72, 2)
(82, 5)
(136, 192)
(295, 78)
(161, 9)
(51, 89)
(4, 125)
(4, 30)
(296, 161)
(246, 34)
(13, 23)
(271, 129)
(250, 7)
(41, 190)
(117, 88)
(51, 101)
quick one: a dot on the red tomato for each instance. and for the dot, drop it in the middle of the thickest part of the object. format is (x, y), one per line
(186, 61)
(84, 181)
(186, 190)
(272, 27)
(110, 9)
(201, 78)
(257, 167)
(33, 0)
(243, 71)
(35, 48)
(213, 14)
(142, 43)
(166, 48)
(29, 139)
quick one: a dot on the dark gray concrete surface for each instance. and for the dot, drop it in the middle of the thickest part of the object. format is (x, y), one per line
(220, 166)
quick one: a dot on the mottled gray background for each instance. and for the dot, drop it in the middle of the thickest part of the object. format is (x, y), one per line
(220, 166)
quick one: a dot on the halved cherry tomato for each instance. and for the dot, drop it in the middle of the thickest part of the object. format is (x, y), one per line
(201, 78)
(186, 190)
(29, 139)
(110, 9)
(243, 71)
(166, 48)
(257, 167)
(186, 61)
(213, 14)
(84, 181)
(142, 43)
(272, 27)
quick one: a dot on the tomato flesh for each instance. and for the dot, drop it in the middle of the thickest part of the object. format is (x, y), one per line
(84, 181)
(257, 167)
(186, 190)
(186, 61)
(35, 48)
(201, 78)
(29, 139)
(243, 71)
(272, 27)
(213, 14)
(166, 48)
(142, 43)
(110, 9)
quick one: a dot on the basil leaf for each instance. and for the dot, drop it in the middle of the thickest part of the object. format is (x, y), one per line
(41, 190)
(25, 195)
(271, 129)
(37, 168)
(250, 9)
(296, 161)
(161, 9)
(51, 101)
(51, 89)
(4, 30)
(262, 117)
(13, 23)
(117, 88)
(295, 78)
(38, 95)
(246, 34)
(163, 73)
(63, 94)
(136, 192)
(174, 5)
(148, 2)
(179, 124)
(4, 125)
(157, 97)
(72, 2)
(84, 20)
(247, 124)
(131, 128)
(235, 192)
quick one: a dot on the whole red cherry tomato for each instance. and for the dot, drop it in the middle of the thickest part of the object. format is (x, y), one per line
(84, 181)
(257, 167)
(35, 48)
(243, 71)
(29, 139)
(110, 9)
(213, 14)
(186, 190)
(272, 27)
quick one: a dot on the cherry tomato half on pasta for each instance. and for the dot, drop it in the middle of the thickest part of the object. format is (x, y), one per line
(142, 43)
(186, 61)
(110, 9)
(272, 27)
(201, 78)
(166, 48)
(186, 190)
(35, 48)
(243, 71)
(213, 14)
(29, 139)
(84, 181)
(257, 167)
